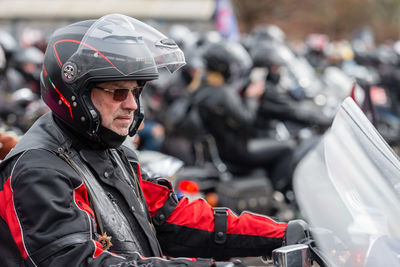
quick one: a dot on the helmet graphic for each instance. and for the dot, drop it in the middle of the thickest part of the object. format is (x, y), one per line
(114, 47)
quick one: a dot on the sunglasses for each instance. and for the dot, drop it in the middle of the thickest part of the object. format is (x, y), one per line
(121, 94)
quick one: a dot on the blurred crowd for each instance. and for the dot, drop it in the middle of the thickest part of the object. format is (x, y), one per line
(20, 104)
(278, 94)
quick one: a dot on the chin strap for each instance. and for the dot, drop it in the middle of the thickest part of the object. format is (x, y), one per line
(137, 118)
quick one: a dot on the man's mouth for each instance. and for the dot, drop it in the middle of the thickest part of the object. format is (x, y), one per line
(124, 118)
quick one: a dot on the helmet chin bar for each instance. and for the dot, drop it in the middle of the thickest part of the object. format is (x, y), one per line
(138, 118)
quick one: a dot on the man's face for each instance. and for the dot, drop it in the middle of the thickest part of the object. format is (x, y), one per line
(116, 115)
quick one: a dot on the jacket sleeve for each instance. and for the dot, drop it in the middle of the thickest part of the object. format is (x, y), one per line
(47, 211)
(195, 229)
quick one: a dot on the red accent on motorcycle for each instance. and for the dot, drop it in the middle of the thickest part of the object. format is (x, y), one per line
(212, 199)
(378, 95)
(357, 258)
(189, 187)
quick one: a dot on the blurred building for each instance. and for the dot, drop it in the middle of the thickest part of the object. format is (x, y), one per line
(16, 16)
(79, 9)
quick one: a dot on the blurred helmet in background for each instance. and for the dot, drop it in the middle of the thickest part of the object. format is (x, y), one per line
(8, 43)
(268, 32)
(23, 97)
(228, 58)
(266, 54)
(29, 62)
(183, 36)
(317, 42)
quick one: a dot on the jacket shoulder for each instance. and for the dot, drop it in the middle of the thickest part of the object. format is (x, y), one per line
(33, 160)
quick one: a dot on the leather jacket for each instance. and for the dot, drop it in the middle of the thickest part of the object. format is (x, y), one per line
(60, 201)
(227, 116)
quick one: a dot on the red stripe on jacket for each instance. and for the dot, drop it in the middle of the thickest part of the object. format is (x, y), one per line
(199, 214)
(98, 249)
(7, 212)
(82, 200)
(155, 196)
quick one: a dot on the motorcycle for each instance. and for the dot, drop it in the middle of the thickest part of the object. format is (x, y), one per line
(347, 189)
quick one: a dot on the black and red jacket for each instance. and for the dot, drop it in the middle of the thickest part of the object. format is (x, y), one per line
(48, 218)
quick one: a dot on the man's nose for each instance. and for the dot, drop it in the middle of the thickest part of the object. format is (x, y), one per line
(130, 102)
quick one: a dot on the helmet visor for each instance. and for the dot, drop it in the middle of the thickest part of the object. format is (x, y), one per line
(127, 46)
(165, 51)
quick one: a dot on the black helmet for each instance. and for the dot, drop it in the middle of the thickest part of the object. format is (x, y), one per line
(228, 58)
(114, 47)
(34, 57)
(27, 55)
(267, 54)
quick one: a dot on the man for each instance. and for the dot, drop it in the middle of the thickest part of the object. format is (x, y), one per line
(71, 195)
(230, 117)
(275, 104)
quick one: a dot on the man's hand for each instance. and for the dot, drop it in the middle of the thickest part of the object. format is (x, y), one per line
(296, 231)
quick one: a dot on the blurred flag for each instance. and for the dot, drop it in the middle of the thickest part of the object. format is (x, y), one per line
(225, 20)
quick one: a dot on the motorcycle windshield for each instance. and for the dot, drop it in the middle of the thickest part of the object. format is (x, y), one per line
(127, 45)
(348, 190)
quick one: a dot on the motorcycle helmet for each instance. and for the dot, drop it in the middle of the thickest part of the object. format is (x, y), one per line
(183, 36)
(8, 43)
(228, 58)
(218, 59)
(268, 32)
(114, 47)
(28, 62)
(23, 97)
(267, 54)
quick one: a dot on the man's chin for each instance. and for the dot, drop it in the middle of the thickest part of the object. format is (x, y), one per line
(121, 131)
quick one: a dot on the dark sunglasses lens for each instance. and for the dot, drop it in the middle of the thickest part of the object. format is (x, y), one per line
(121, 94)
